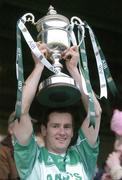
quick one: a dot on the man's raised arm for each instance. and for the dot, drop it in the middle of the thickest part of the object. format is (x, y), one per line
(91, 133)
(23, 129)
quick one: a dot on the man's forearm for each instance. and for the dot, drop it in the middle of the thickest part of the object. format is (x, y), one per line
(77, 77)
(30, 88)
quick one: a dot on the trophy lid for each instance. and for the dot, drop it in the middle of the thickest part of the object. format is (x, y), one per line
(52, 19)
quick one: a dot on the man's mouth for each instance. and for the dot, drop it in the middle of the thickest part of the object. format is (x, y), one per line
(61, 139)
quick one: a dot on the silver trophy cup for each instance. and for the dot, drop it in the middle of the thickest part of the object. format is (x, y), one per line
(58, 90)
(56, 32)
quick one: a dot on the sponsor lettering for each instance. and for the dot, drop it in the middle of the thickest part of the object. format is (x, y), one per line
(67, 176)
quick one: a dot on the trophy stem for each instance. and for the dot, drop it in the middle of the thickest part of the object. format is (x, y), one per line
(56, 57)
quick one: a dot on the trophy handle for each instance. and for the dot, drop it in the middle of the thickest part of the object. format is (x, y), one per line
(28, 17)
(77, 21)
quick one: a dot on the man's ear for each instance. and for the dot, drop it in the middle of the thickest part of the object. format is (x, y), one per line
(11, 128)
(43, 130)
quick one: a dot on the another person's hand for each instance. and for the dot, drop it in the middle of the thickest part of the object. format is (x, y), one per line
(114, 165)
(106, 176)
(113, 159)
(71, 56)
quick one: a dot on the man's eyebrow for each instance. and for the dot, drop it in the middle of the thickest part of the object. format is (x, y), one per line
(54, 123)
(67, 124)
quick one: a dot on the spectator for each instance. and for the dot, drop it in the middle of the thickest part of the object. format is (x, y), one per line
(114, 160)
(8, 169)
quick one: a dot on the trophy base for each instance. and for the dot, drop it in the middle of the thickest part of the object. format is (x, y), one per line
(58, 91)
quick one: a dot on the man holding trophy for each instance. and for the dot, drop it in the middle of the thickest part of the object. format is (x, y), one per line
(57, 159)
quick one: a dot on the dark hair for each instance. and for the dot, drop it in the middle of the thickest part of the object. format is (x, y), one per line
(76, 118)
(47, 112)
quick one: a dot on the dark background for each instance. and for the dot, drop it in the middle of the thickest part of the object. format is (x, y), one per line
(105, 18)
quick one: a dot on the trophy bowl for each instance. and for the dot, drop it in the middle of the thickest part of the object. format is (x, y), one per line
(58, 91)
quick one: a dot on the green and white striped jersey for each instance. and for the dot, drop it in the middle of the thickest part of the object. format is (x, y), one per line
(37, 163)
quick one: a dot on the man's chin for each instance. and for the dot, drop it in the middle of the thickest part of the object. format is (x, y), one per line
(61, 149)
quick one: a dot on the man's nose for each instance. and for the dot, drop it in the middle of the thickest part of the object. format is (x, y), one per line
(62, 130)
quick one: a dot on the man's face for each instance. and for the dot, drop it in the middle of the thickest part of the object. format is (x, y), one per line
(59, 132)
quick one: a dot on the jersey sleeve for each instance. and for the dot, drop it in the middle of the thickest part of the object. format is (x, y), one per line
(25, 156)
(88, 153)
